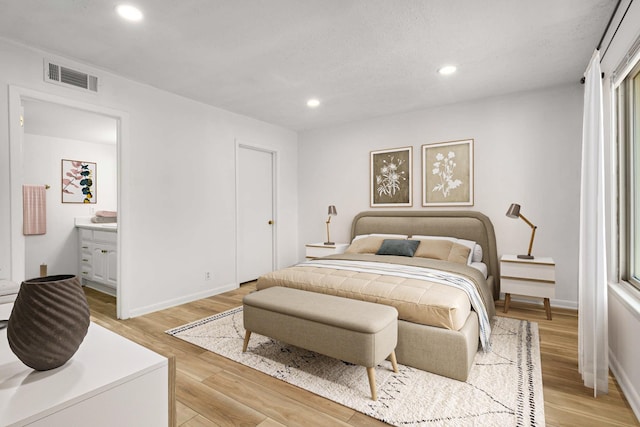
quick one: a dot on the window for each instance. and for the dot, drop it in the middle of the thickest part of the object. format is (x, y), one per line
(628, 99)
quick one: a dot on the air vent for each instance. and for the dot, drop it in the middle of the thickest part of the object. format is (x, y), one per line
(65, 76)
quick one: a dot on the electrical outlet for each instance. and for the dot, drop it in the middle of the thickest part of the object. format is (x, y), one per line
(207, 275)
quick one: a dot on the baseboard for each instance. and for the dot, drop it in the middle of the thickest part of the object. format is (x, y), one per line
(106, 289)
(628, 388)
(182, 300)
(561, 303)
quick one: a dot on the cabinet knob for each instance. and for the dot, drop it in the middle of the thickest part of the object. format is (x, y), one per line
(270, 222)
(84, 259)
(103, 251)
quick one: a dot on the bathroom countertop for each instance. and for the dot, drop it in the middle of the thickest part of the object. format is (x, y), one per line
(85, 222)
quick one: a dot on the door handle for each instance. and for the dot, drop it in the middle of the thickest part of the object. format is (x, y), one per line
(271, 222)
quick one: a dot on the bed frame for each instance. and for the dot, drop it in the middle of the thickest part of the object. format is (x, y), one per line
(441, 351)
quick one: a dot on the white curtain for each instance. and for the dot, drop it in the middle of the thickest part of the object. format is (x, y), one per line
(593, 360)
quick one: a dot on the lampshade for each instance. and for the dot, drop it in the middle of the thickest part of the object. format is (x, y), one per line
(332, 210)
(514, 210)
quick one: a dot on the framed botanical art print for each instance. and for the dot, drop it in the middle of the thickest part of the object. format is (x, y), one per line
(391, 172)
(79, 182)
(447, 173)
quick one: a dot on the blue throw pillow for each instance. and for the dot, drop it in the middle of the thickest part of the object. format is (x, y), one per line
(398, 247)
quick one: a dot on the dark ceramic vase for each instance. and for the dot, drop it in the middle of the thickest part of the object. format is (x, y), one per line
(49, 320)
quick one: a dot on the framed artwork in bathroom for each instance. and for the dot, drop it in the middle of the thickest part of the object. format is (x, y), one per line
(79, 181)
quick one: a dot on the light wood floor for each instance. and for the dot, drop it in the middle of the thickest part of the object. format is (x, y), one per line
(214, 391)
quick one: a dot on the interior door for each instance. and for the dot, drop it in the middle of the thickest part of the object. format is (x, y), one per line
(256, 225)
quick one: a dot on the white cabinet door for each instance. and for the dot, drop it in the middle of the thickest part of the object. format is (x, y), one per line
(104, 264)
(99, 263)
(112, 266)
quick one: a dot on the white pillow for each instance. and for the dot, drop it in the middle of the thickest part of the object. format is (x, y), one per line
(468, 243)
(386, 236)
(477, 253)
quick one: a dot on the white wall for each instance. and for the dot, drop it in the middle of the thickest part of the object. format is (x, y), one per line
(177, 190)
(58, 248)
(527, 150)
(623, 300)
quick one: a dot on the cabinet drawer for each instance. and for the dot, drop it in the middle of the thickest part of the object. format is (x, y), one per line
(525, 270)
(317, 250)
(528, 287)
(86, 271)
(86, 258)
(85, 234)
(105, 236)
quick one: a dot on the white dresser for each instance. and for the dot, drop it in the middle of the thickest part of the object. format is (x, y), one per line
(110, 381)
(529, 277)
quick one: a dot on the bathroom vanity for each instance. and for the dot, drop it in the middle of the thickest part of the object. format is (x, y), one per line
(98, 266)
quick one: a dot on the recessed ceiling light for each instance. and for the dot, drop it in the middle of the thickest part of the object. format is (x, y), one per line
(447, 69)
(313, 103)
(130, 13)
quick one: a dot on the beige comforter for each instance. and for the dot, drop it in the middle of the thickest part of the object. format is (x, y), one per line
(418, 301)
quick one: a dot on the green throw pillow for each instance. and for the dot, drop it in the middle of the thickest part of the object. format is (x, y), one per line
(398, 247)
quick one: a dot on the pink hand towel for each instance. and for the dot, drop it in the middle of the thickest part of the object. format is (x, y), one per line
(107, 214)
(34, 209)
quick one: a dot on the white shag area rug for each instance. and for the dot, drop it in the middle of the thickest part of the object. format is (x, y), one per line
(504, 387)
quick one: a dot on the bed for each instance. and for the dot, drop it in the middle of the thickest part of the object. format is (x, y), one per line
(445, 305)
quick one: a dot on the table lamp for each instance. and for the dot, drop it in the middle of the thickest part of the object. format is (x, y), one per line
(514, 212)
(332, 212)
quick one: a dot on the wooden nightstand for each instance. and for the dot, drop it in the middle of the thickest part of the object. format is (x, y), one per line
(317, 250)
(530, 277)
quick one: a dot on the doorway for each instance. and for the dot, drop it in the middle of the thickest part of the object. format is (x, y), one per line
(53, 132)
(256, 213)
(21, 266)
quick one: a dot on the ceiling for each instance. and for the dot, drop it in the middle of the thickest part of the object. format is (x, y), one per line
(361, 58)
(49, 119)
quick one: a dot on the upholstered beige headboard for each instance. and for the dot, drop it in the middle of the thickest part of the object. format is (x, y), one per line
(468, 225)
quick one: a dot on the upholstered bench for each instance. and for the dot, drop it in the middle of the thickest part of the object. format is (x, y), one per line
(354, 331)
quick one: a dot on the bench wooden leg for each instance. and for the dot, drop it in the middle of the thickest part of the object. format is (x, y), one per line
(394, 362)
(247, 335)
(371, 372)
